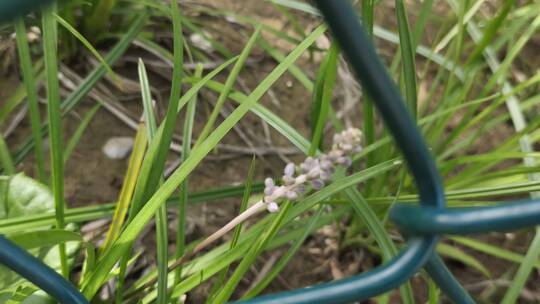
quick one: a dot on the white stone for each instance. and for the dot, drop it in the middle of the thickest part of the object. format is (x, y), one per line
(117, 147)
(200, 42)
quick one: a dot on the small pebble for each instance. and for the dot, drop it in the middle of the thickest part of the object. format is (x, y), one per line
(200, 42)
(118, 147)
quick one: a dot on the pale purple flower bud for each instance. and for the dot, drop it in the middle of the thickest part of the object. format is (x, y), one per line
(335, 154)
(288, 180)
(300, 179)
(317, 184)
(344, 161)
(289, 170)
(300, 189)
(314, 172)
(269, 190)
(292, 195)
(346, 147)
(325, 175)
(279, 192)
(272, 207)
(326, 164)
(268, 182)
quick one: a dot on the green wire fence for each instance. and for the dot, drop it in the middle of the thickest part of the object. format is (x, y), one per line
(422, 224)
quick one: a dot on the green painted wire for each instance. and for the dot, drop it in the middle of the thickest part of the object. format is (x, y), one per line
(32, 269)
(357, 47)
(10, 9)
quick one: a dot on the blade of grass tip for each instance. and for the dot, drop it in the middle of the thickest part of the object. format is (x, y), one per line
(162, 240)
(5, 157)
(126, 192)
(284, 260)
(55, 124)
(259, 245)
(231, 79)
(325, 99)
(183, 195)
(236, 234)
(149, 114)
(31, 93)
(131, 231)
(74, 140)
(407, 57)
(85, 42)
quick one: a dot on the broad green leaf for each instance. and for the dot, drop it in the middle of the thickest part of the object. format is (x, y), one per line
(23, 196)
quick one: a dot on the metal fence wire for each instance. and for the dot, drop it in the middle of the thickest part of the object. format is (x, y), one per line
(422, 224)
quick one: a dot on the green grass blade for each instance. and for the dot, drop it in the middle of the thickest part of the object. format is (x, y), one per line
(225, 293)
(101, 211)
(467, 259)
(31, 92)
(322, 106)
(524, 270)
(183, 195)
(5, 158)
(149, 114)
(407, 57)
(492, 250)
(293, 69)
(74, 140)
(284, 260)
(376, 227)
(231, 79)
(85, 42)
(126, 192)
(419, 26)
(96, 22)
(55, 124)
(236, 234)
(490, 32)
(44, 238)
(368, 111)
(162, 239)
